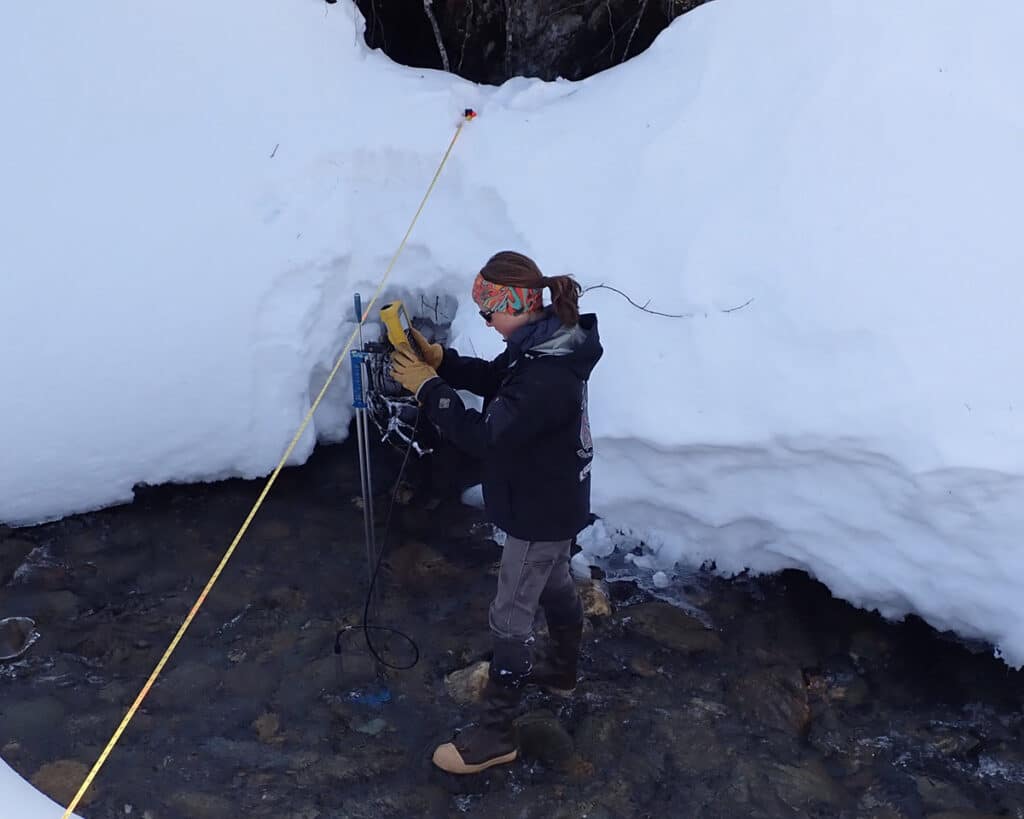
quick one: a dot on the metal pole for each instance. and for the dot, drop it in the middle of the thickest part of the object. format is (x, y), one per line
(369, 484)
(359, 318)
(371, 526)
(365, 478)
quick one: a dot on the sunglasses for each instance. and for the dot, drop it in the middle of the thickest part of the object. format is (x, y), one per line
(487, 315)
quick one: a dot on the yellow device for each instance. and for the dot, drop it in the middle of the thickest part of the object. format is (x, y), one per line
(397, 324)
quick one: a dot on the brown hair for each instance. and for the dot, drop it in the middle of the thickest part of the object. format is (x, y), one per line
(516, 270)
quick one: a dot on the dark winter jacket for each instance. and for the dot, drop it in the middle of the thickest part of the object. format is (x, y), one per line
(533, 437)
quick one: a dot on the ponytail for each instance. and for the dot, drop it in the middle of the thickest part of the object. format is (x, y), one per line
(565, 298)
(517, 270)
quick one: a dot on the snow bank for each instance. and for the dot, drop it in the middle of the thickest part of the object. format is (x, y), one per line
(19, 799)
(828, 191)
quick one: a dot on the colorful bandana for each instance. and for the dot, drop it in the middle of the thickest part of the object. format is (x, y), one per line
(501, 298)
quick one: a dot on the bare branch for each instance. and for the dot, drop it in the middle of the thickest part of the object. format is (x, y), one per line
(558, 12)
(734, 309)
(508, 38)
(465, 37)
(632, 34)
(642, 307)
(645, 306)
(435, 308)
(611, 25)
(611, 42)
(428, 7)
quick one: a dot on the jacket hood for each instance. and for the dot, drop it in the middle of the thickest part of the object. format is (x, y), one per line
(579, 346)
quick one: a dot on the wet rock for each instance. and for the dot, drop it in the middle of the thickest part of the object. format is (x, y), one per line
(595, 598)
(205, 806)
(16, 636)
(541, 736)
(622, 741)
(298, 690)
(187, 683)
(52, 578)
(370, 727)
(672, 628)
(285, 597)
(31, 717)
(963, 814)
(625, 592)
(272, 530)
(937, 795)
(703, 708)
(248, 754)
(643, 667)
(282, 642)
(844, 688)
(348, 767)
(957, 745)
(806, 785)
(466, 686)
(869, 806)
(13, 552)
(775, 698)
(61, 780)
(267, 726)
(417, 565)
(248, 682)
(692, 739)
(870, 648)
(57, 606)
(827, 733)
(85, 544)
(853, 692)
(116, 693)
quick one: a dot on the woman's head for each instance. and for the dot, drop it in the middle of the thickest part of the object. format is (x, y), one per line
(509, 290)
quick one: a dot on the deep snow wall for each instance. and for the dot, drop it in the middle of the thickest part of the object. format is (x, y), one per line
(195, 191)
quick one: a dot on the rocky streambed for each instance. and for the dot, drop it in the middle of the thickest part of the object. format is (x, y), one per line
(758, 698)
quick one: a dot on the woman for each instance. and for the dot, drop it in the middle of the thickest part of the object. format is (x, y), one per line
(533, 439)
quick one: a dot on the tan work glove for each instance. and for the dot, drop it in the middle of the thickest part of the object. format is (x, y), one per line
(409, 370)
(433, 354)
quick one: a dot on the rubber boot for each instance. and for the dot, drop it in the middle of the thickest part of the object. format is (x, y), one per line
(555, 668)
(491, 741)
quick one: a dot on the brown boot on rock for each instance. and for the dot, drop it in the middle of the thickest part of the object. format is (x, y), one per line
(491, 741)
(555, 669)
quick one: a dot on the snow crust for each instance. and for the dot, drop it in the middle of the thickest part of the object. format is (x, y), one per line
(828, 192)
(20, 799)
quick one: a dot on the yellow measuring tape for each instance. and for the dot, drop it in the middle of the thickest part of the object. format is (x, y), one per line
(468, 115)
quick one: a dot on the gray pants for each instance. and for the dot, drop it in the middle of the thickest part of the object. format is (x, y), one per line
(533, 573)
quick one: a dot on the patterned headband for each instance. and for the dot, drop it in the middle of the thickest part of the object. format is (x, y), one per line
(503, 298)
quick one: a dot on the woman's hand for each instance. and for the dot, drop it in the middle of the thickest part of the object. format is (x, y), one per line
(409, 370)
(433, 354)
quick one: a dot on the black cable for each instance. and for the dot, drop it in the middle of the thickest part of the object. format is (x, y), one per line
(366, 626)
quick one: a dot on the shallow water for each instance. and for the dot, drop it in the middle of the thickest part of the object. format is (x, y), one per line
(751, 697)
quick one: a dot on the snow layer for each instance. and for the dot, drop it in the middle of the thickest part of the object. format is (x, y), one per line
(827, 191)
(21, 800)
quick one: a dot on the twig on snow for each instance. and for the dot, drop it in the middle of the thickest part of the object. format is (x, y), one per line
(643, 306)
(734, 309)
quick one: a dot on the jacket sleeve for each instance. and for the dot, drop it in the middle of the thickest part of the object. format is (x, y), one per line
(473, 374)
(521, 410)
